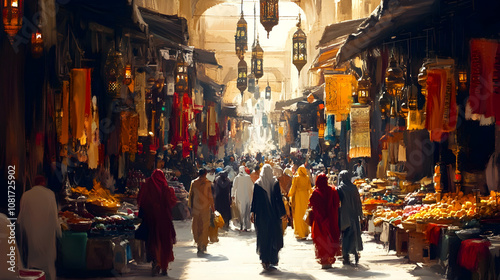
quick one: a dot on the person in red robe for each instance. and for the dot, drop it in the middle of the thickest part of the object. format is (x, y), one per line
(156, 200)
(325, 204)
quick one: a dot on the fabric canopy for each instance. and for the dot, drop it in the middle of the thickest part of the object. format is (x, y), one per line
(390, 17)
(170, 27)
(334, 31)
(123, 13)
(206, 57)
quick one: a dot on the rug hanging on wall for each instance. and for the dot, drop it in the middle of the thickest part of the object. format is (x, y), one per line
(360, 132)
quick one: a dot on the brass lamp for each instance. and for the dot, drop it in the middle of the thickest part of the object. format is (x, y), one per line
(299, 47)
(364, 84)
(12, 15)
(257, 60)
(269, 14)
(113, 70)
(241, 37)
(181, 76)
(394, 78)
(242, 76)
(37, 44)
(268, 91)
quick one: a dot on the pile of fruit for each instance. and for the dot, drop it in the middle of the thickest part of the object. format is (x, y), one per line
(374, 201)
(114, 224)
(102, 197)
(393, 217)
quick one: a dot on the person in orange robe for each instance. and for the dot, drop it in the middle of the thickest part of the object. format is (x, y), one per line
(156, 200)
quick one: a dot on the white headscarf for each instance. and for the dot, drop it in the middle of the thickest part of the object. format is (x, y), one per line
(242, 171)
(266, 180)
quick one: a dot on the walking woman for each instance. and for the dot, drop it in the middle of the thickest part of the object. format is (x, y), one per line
(202, 205)
(299, 194)
(156, 200)
(222, 188)
(325, 234)
(350, 213)
(267, 213)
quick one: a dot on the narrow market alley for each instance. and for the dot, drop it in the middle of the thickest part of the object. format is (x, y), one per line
(234, 257)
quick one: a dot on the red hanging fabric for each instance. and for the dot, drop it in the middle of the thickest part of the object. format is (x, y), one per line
(483, 93)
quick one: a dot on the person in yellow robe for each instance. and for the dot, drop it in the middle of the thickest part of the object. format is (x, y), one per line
(299, 194)
(200, 202)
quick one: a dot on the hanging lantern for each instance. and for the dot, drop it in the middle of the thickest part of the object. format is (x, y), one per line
(256, 93)
(241, 37)
(385, 102)
(394, 78)
(113, 70)
(269, 14)
(268, 91)
(299, 47)
(363, 91)
(251, 83)
(36, 44)
(12, 15)
(257, 60)
(242, 76)
(128, 75)
(181, 76)
(462, 79)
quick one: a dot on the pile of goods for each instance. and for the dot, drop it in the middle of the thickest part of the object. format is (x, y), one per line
(74, 222)
(393, 217)
(112, 225)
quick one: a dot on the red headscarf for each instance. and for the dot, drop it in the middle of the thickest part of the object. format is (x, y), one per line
(325, 203)
(156, 199)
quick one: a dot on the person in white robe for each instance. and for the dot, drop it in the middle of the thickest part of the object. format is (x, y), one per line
(39, 228)
(242, 193)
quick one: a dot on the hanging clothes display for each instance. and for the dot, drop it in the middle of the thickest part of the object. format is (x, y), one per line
(484, 90)
(338, 92)
(94, 140)
(330, 128)
(360, 132)
(80, 102)
(140, 102)
(65, 114)
(175, 127)
(128, 135)
(441, 103)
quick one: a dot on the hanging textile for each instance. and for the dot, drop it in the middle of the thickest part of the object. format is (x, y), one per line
(360, 132)
(140, 102)
(484, 90)
(80, 102)
(175, 120)
(441, 103)
(402, 151)
(198, 98)
(330, 128)
(211, 121)
(129, 129)
(65, 114)
(338, 89)
(94, 140)
(415, 119)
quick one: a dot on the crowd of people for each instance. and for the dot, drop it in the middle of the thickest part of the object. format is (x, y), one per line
(270, 195)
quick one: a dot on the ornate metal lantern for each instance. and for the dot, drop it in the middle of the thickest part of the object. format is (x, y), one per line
(299, 47)
(364, 84)
(394, 78)
(268, 91)
(257, 60)
(269, 14)
(36, 44)
(251, 82)
(113, 70)
(242, 76)
(181, 76)
(128, 75)
(12, 15)
(462, 79)
(256, 93)
(241, 37)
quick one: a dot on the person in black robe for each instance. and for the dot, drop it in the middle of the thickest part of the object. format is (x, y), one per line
(222, 189)
(350, 214)
(267, 212)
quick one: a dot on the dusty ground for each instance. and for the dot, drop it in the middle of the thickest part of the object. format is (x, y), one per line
(234, 257)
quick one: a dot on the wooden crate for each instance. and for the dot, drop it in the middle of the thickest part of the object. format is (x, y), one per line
(402, 242)
(416, 246)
